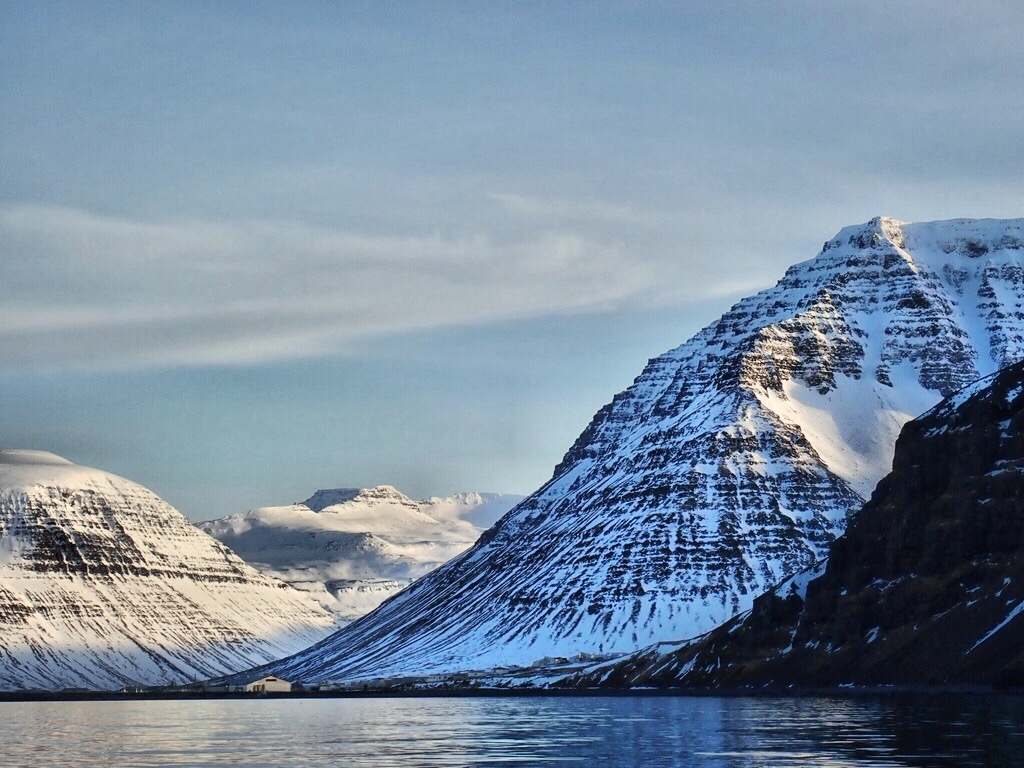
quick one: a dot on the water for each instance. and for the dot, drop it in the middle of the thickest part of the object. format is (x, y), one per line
(586, 731)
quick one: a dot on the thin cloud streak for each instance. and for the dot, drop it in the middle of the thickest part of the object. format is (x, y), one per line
(84, 291)
(573, 210)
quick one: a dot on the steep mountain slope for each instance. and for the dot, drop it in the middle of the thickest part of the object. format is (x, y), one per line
(352, 548)
(729, 464)
(925, 588)
(103, 584)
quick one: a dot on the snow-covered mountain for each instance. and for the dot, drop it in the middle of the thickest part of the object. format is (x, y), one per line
(729, 464)
(925, 588)
(351, 548)
(103, 584)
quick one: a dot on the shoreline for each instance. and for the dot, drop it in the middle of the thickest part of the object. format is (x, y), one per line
(791, 693)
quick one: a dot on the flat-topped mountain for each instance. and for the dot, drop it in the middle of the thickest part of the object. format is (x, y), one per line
(351, 548)
(103, 584)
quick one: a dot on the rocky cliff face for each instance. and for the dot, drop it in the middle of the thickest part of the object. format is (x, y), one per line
(730, 464)
(925, 588)
(352, 548)
(103, 584)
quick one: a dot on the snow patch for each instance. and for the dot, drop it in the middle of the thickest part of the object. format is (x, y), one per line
(1009, 617)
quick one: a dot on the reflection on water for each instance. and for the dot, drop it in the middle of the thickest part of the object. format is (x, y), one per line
(610, 732)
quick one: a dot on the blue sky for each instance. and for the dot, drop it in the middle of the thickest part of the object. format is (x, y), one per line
(252, 249)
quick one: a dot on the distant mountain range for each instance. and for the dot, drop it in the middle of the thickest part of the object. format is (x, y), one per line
(926, 588)
(730, 464)
(352, 548)
(103, 585)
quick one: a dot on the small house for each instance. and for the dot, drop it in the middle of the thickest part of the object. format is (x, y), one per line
(269, 684)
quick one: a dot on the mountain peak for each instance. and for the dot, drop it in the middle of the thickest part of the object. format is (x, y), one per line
(22, 456)
(21, 468)
(881, 231)
(326, 497)
(379, 494)
(972, 238)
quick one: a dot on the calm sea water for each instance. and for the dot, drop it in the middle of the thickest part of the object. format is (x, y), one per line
(607, 732)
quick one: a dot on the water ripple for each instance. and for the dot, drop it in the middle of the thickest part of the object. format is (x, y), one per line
(463, 732)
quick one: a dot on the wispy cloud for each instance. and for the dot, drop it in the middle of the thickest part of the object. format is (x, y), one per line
(83, 290)
(593, 211)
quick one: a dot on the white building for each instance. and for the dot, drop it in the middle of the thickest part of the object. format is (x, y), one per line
(269, 685)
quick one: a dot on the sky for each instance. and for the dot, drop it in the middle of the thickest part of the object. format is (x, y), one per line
(253, 249)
